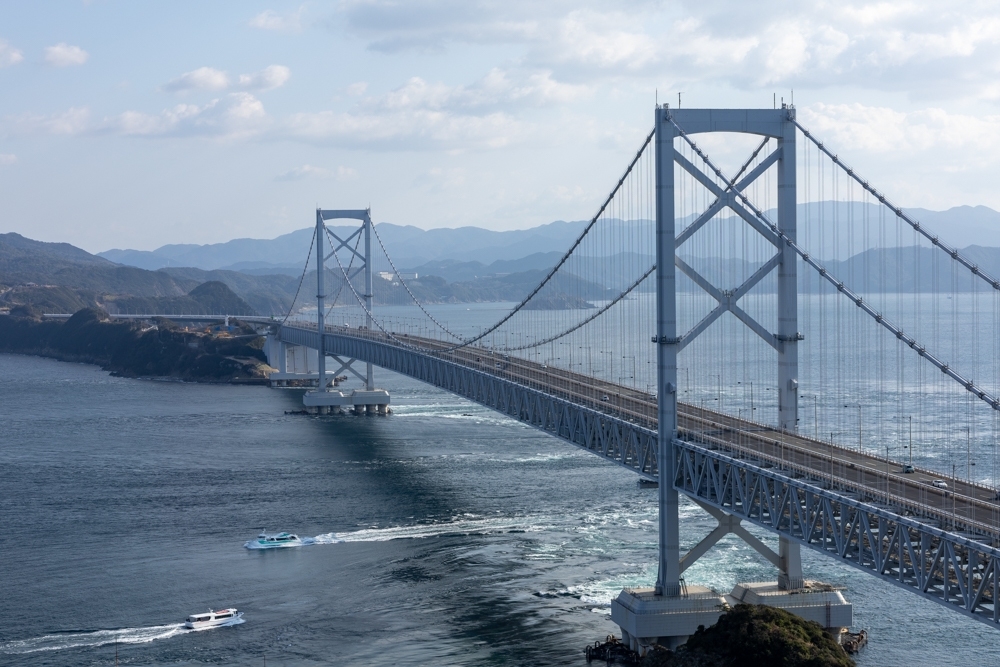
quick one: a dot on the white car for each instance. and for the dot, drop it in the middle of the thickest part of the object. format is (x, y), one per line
(940, 483)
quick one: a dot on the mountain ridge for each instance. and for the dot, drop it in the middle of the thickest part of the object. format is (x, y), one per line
(411, 247)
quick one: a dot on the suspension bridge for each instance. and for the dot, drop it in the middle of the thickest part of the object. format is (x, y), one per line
(762, 331)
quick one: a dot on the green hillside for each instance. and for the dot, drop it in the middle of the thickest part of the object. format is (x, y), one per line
(59, 278)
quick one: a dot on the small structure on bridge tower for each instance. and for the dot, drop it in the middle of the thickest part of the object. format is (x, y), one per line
(671, 612)
(310, 364)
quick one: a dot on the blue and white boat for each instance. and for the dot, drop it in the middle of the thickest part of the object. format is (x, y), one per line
(274, 541)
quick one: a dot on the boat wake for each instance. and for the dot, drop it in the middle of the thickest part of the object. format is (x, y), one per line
(71, 640)
(421, 531)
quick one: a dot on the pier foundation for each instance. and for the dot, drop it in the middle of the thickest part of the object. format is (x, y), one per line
(812, 601)
(647, 619)
(335, 401)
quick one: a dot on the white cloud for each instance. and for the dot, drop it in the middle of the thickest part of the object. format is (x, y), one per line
(268, 78)
(65, 55)
(271, 20)
(7, 158)
(421, 115)
(341, 173)
(859, 128)
(922, 49)
(236, 116)
(70, 122)
(215, 80)
(357, 89)
(203, 78)
(419, 129)
(926, 157)
(496, 90)
(9, 55)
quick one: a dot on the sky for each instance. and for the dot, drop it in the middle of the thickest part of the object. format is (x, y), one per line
(132, 125)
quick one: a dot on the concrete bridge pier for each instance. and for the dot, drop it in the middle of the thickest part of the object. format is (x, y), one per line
(647, 618)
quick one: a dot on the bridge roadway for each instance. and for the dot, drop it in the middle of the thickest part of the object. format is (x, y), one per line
(255, 319)
(964, 507)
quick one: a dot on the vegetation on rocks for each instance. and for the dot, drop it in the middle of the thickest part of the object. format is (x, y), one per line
(133, 349)
(753, 636)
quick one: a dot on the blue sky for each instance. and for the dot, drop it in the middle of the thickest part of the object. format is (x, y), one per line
(127, 124)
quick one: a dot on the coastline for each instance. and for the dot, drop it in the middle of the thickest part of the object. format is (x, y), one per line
(161, 352)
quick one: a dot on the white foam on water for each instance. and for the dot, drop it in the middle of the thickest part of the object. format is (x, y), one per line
(421, 531)
(71, 640)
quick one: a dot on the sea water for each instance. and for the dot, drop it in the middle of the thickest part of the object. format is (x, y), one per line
(443, 534)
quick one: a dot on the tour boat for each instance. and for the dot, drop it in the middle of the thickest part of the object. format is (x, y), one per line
(278, 540)
(213, 619)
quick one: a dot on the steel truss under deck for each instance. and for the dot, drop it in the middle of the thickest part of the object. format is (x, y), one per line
(609, 437)
(956, 571)
(946, 567)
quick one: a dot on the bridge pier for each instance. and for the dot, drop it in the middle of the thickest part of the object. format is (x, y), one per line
(647, 618)
(359, 401)
(790, 555)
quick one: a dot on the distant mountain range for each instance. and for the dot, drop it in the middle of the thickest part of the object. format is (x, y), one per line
(55, 277)
(464, 265)
(437, 250)
(408, 246)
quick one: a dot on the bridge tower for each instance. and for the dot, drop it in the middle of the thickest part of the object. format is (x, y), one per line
(672, 611)
(326, 399)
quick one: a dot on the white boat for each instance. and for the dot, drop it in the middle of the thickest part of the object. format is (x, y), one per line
(213, 619)
(275, 541)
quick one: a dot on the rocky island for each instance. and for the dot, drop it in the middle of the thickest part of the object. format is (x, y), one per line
(754, 636)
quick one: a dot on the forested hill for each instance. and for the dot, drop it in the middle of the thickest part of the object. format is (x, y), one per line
(59, 278)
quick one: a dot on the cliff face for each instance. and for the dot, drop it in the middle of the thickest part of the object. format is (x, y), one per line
(130, 349)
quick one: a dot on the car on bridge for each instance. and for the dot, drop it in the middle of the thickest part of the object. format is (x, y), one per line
(939, 483)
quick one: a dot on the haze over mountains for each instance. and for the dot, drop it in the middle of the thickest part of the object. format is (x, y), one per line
(437, 251)
(457, 265)
(409, 247)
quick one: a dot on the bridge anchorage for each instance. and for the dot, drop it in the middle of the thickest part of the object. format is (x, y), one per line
(723, 273)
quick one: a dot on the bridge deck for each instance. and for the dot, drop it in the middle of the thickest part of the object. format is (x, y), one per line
(860, 509)
(964, 506)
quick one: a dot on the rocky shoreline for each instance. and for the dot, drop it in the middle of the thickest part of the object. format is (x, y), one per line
(162, 351)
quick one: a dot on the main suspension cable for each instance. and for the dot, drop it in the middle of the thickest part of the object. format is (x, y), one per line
(588, 320)
(564, 258)
(952, 252)
(969, 385)
(305, 270)
(402, 282)
(361, 302)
